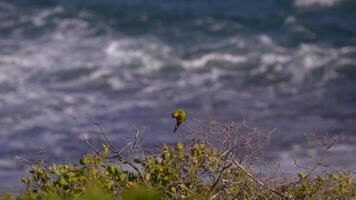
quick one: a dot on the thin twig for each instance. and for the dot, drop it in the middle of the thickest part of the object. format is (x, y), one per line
(259, 182)
(82, 134)
(119, 156)
(219, 177)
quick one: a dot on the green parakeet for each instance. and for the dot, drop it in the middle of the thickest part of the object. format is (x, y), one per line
(180, 115)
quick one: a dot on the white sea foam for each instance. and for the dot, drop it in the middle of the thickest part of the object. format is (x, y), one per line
(272, 58)
(146, 54)
(265, 39)
(40, 18)
(307, 3)
(203, 60)
(116, 83)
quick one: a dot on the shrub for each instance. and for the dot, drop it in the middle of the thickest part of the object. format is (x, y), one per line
(201, 169)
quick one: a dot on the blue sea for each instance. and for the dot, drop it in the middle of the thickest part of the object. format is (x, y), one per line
(282, 65)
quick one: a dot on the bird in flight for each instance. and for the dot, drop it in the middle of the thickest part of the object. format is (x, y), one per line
(180, 115)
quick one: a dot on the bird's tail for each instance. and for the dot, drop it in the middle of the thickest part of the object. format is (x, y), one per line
(175, 128)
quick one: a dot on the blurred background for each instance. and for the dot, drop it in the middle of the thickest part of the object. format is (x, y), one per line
(288, 65)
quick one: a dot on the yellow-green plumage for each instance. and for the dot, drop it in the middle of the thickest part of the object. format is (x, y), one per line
(180, 115)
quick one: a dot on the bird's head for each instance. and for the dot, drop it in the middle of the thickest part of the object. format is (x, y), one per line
(175, 114)
(179, 113)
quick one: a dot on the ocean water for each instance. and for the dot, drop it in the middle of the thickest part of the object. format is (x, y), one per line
(288, 65)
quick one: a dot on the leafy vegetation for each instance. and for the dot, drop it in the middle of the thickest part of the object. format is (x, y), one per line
(200, 169)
